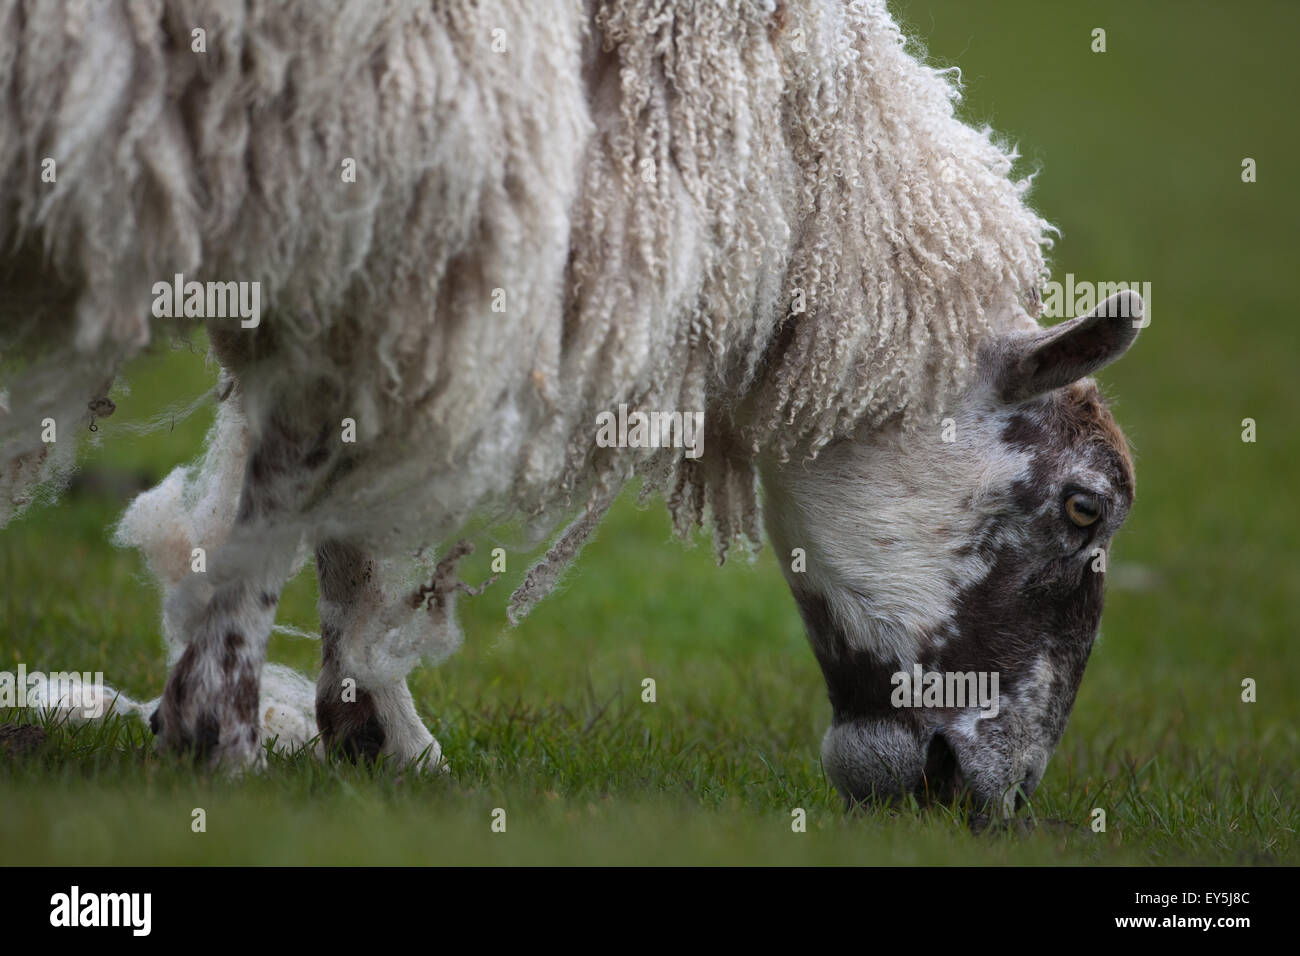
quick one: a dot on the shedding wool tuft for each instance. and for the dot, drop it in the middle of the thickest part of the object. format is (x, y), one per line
(286, 717)
(765, 212)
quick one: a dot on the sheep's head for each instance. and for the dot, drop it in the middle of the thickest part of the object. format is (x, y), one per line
(970, 556)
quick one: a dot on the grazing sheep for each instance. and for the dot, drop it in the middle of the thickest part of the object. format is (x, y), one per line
(479, 230)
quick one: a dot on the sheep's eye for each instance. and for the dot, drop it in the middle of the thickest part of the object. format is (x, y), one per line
(1082, 508)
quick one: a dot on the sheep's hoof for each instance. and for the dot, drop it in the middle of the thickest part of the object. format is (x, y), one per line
(233, 749)
(352, 729)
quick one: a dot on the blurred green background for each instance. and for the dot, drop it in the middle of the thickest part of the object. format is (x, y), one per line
(1139, 152)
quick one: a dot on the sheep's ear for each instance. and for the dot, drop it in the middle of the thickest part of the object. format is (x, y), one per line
(1067, 352)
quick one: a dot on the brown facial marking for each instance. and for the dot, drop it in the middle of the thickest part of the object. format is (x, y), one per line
(1086, 421)
(1073, 421)
(1057, 431)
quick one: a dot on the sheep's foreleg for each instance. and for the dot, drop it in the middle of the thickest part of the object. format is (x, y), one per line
(361, 715)
(210, 704)
(185, 519)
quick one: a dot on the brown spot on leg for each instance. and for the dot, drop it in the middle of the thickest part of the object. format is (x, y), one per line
(177, 690)
(233, 646)
(207, 734)
(244, 700)
(210, 705)
(351, 728)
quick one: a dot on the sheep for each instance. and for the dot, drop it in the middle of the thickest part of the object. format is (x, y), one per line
(475, 228)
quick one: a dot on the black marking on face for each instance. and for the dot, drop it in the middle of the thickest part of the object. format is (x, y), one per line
(1040, 595)
(1009, 619)
(1032, 617)
(858, 683)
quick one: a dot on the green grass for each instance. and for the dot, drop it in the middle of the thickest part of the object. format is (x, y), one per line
(1139, 152)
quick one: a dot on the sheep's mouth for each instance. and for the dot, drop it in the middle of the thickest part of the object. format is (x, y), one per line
(944, 783)
(942, 780)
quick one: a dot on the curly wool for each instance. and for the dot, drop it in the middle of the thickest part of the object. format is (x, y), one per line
(767, 212)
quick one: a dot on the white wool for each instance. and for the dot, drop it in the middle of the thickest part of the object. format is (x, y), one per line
(78, 703)
(288, 706)
(765, 212)
(192, 508)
